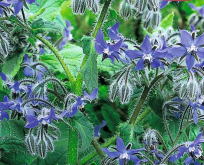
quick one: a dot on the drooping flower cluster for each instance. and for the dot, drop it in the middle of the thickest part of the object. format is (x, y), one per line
(192, 149)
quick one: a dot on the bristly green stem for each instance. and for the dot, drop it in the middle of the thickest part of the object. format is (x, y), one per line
(65, 67)
(79, 79)
(143, 98)
(94, 153)
(102, 17)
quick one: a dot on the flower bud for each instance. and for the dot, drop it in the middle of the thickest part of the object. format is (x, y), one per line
(30, 142)
(125, 92)
(156, 19)
(50, 144)
(147, 15)
(202, 87)
(150, 140)
(125, 9)
(137, 15)
(113, 92)
(154, 4)
(183, 91)
(147, 23)
(141, 4)
(193, 19)
(4, 45)
(202, 24)
(90, 3)
(192, 88)
(95, 8)
(78, 6)
(42, 148)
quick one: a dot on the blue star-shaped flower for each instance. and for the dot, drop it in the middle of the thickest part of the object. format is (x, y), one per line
(193, 149)
(108, 50)
(124, 154)
(191, 47)
(146, 54)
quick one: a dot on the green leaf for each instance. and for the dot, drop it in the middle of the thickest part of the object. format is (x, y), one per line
(11, 66)
(167, 21)
(86, 44)
(108, 66)
(72, 56)
(52, 8)
(111, 116)
(90, 71)
(85, 129)
(125, 134)
(40, 26)
(12, 148)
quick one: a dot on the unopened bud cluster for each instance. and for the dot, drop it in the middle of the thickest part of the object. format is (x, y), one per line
(42, 142)
(79, 6)
(121, 87)
(149, 11)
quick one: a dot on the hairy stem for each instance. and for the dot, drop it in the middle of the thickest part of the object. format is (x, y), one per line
(94, 153)
(170, 152)
(139, 105)
(102, 17)
(166, 125)
(144, 96)
(97, 147)
(62, 62)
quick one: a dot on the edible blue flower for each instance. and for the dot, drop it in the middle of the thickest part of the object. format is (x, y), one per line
(30, 72)
(146, 54)
(18, 4)
(97, 129)
(123, 153)
(193, 149)
(4, 4)
(66, 35)
(108, 50)
(46, 117)
(190, 48)
(200, 9)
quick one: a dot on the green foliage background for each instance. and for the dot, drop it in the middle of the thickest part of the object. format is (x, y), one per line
(12, 134)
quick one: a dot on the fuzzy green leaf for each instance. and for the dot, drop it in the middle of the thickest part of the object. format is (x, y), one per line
(111, 116)
(90, 71)
(167, 21)
(85, 129)
(52, 8)
(40, 26)
(11, 66)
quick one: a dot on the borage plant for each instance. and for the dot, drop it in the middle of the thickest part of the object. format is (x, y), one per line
(101, 98)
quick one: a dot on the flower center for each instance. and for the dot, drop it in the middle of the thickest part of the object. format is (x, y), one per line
(124, 156)
(201, 100)
(147, 57)
(192, 49)
(106, 51)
